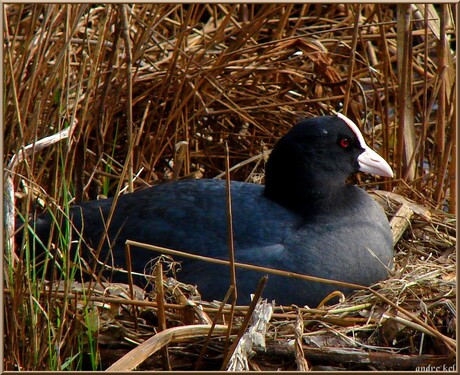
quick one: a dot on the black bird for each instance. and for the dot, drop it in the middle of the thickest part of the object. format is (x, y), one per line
(306, 219)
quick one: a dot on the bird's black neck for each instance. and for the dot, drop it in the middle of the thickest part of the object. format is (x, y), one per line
(301, 185)
(307, 198)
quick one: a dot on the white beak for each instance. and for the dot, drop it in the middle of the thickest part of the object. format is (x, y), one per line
(369, 161)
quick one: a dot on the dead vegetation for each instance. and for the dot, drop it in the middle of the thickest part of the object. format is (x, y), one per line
(138, 80)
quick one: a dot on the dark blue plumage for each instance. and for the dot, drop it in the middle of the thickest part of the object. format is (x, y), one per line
(305, 220)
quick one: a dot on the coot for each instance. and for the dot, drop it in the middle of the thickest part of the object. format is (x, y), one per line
(306, 219)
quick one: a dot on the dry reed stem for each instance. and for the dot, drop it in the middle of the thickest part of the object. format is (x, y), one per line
(273, 271)
(208, 338)
(302, 363)
(158, 341)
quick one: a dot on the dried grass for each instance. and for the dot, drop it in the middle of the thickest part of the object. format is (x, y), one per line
(139, 79)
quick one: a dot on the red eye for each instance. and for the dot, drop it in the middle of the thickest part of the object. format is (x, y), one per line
(344, 142)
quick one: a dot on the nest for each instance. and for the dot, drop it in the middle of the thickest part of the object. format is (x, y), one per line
(406, 322)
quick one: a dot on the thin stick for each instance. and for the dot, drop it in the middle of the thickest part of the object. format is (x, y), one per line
(302, 363)
(351, 68)
(231, 245)
(244, 265)
(214, 322)
(129, 102)
(161, 311)
(241, 309)
(130, 281)
(245, 162)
